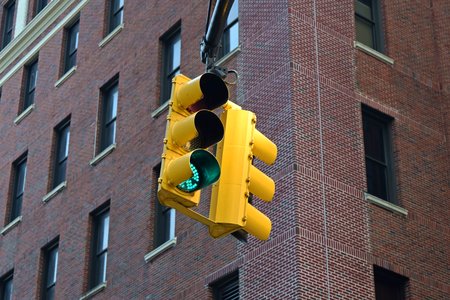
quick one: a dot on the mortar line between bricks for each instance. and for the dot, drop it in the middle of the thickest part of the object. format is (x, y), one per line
(322, 149)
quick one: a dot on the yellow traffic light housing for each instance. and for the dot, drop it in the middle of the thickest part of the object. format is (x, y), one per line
(191, 127)
(230, 210)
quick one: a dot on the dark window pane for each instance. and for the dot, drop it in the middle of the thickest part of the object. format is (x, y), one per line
(116, 14)
(72, 46)
(100, 251)
(101, 272)
(40, 5)
(389, 285)
(376, 179)
(368, 23)
(172, 60)
(108, 131)
(364, 33)
(374, 139)
(103, 232)
(7, 288)
(363, 8)
(52, 264)
(62, 152)
(8, 23)
(63, 144)
(165, 224)
(230, 38)
(32, 74)
(111, 104)
(19, 186)
(377, 147)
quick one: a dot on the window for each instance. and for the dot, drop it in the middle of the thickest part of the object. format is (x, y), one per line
(171, 63)
(50, 271)
(99, 247)
(115, 14)
(110, 95)
(8, 23)
(378, 153)
(31, 73)
(164, 218)
(368, 23)
(6, 286)
(19, 173)
(230, 38)
(40, 4)
(226, 288)
(165, 224)
(389, 285)
(70, 59)
(61, 152)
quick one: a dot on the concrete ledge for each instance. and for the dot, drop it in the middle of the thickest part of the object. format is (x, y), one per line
(25, 113)
(160, 109)
(154, 253)
(110, 36)
(65, 76)
(102, 154)
(228, 56)
(385, 204)
(11, 225)
(55, 191)
(374, 53)
(94, 291)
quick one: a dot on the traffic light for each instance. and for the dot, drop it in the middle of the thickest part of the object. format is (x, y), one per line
(230, 209)
(191, 127)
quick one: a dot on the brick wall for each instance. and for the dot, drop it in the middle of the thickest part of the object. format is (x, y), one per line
(300, 73)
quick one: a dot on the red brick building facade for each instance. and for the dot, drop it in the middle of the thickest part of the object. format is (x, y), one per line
(319, 88)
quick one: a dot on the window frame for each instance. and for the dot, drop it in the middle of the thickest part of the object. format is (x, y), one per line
(70, 53)
(8, 278)
(8, 23)
(226, 36)
(108, 124)
(224, 284)
(17, 195)
(375, 23)
(384, 123)
(46, 285)
(113, 23)
(32, 73)
(169, 40)
(60, 162)
(95, 271)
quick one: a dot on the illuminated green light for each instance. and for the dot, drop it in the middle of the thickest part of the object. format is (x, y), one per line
(192, 183)
(205, 171)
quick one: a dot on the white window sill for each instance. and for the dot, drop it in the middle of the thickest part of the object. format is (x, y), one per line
(66, 76)
(228, 56)
(94, 291)
(110, 36)
(160, 109)
(154, 253)
(11, 225)
(374, 53)
(385, 204)
(25, 113)
(55, 191)
(99, 157)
